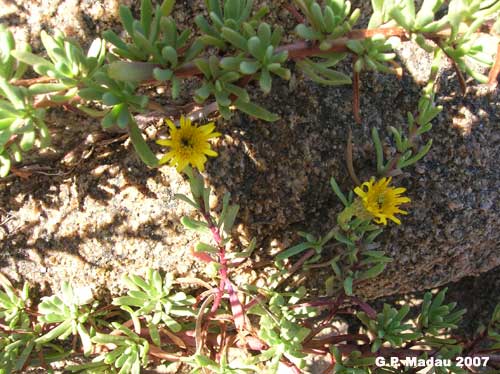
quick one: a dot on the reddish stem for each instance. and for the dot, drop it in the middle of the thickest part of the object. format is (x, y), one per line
(335, 307)
(236, 307)
(370, 312)
(349, 156)
(316, 345)
(225, 284)
(495, 70)
(222, 256)
(460, 77)
(355, 93)
(31, 81)
(294, 12)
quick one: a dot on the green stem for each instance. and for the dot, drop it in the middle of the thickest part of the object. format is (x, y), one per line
(141, 147)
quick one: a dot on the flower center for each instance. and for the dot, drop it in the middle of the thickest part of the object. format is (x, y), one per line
(380, 201)
(186, 142)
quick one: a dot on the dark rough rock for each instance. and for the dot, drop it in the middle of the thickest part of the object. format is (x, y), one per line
(451, 229)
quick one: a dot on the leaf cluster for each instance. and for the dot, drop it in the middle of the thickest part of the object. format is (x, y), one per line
(128, 356)
(463, 18)
(327, 23)
(22, 126)
(389, 327)
(436, 316)
(154, 38)
(232, 46)
(70, 313)
(150, 300)
(407, 151)
(163, 320)
(280, 328)
(200, 201)
(69, 66)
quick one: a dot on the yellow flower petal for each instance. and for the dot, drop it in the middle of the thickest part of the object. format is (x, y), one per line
(211, 153)
(171, 124)
(166, 142)
(208, 128)
(164, 160)
(381, 201)
(189, 145)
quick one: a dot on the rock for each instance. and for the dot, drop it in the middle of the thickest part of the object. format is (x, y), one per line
(451, 230)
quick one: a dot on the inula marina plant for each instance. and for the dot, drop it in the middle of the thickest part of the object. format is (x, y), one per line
(220, 324)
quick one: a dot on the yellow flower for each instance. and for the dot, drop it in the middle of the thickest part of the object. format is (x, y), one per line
(188, 144)
(381, 201)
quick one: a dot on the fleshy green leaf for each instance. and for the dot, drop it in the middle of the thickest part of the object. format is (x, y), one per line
(255, 111)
